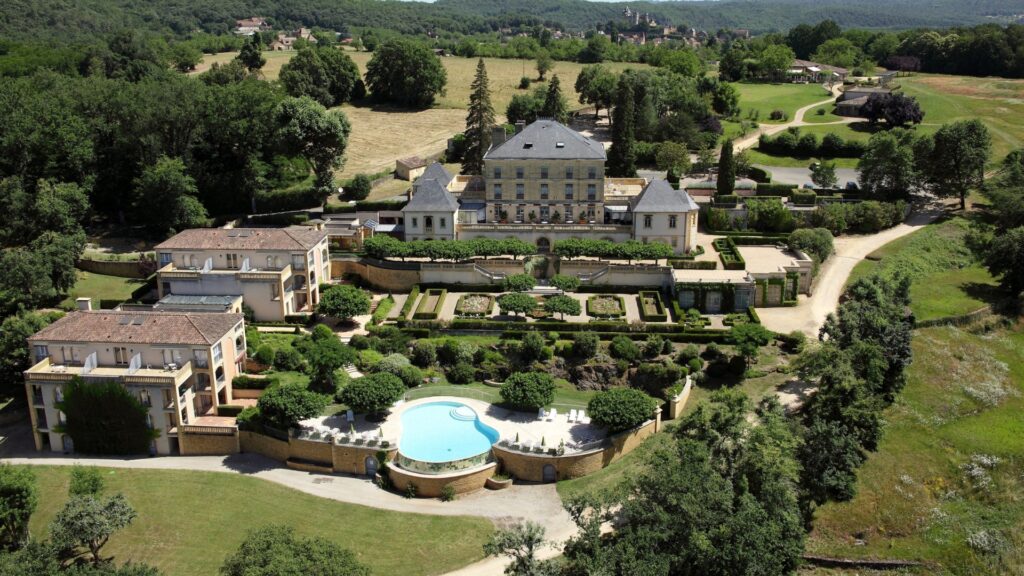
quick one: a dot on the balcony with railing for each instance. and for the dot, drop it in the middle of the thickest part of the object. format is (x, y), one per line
(47, 371)
(258, 274)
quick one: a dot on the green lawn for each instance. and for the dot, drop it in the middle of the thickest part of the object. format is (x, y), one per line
(947, 279)
(190, 521)
(769, 160)
(963, 399)
(763, 98)
(113, 289)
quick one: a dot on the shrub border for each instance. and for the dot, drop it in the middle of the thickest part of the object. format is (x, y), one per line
(424, 314)
(622, 306)
(661, 315)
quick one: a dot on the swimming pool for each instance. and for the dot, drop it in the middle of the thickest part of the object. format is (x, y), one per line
(440, 437)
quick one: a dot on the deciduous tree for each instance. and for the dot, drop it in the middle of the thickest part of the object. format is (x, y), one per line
(344, 301)
(276, 551)
(405, 72)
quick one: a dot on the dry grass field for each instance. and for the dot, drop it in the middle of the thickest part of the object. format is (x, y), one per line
(382, 135)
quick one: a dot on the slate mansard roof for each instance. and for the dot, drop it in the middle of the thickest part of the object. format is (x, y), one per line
(660, 196)
(546, 139)
(435, 171)
(431, 196)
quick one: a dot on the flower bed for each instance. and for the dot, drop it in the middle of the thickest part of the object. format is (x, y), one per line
(430, 305)
(651, 307)
(606, 306)
(474, 306)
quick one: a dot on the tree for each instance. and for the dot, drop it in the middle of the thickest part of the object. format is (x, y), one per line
(816, 242)
(1005, 259)
(531, 348)
(15, 356)
(519, 283)
(405, 72)
(775, 60)
(620, 409)
(705, 157)
(956, 164)
(596, 86)
(284, 406)
(562, 305)
(838, 52)
(372, 394)
(726, 182)
(897, 109)
(325, 355)
(276, 551)
(86, 523)
(829, 458)
(887, 169)
(749, 338)
(673, 158)
(308, 129)
(424, 354)
(516, 303)
(166, 197)
(522, 108)
(622, 155)
(104, 418)
(823, 174)
(555, 105)
(344, 301)
(185, 57)
(18, 501)
(85, 481)
(521, 542)
(528, 390)
(344, 83)
(251, 55)
(306, 75)
(479, 120)
(565, 282)
(544, 64)
(359, 187)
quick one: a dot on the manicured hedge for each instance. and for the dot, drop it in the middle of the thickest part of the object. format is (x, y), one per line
(759, 240)
(775, 189)
(462, 287)
(407, 307)
(730, 256)
(229, 410)
(381, 313)
(622, 307)
(659, 315)
(694, 264)
(691, 337)
(613, 289)
(425, 313)
(244, 382)
(759, 175)
(804, 198)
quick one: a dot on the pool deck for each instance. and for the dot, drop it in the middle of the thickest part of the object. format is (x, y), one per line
(508, 423)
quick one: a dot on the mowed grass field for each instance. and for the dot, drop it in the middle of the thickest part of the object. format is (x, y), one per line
(931, 491)
(381, 135)
(189, 522)
(99, 286)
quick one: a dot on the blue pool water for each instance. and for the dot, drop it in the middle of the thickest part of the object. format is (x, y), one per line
(443, 432)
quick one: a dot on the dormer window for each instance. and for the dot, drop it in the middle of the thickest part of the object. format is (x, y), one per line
(559, 144)
(527, 145)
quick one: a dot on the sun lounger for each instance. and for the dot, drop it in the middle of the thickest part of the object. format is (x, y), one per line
(572, 415)
(553, 414)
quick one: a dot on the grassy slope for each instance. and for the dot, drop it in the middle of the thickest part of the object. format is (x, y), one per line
(913, 498)
(98, 286)
(763, 98)
(190, 521)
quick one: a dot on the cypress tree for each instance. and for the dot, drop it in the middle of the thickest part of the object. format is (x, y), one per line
(726, 170)
(478, 122)
(554, 103)
(622, 155)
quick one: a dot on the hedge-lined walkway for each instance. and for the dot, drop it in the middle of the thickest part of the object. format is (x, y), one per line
(632, 311)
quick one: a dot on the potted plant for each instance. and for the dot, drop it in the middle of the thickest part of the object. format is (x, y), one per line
(556, 217)
(533, 217)
(503, 216)
(583, 218)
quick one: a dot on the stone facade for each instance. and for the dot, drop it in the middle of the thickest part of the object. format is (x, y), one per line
(200, 443)
(430, 486)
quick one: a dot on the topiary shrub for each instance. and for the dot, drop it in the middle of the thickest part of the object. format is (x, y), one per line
(622, 348)
(372, 394)
(620, 409)
(565, 282)
(454, 351)
(532, 348)
(528, 390)
(105, 418)
(411, 376)
(282, 407)
(584, 345)
(461, 373)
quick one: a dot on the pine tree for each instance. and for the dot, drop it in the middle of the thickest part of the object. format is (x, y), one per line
(251, 55)
(555, 105)
(622, 156)
(479, 121)
(726, 170)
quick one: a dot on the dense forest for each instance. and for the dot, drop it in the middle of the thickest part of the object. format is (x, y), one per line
(61, 20)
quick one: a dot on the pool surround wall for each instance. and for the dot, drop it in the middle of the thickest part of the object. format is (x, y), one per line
(530, 466)
(313, 455)
(430, 485)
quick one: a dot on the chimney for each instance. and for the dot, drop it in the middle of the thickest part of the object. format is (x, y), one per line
(520, 125)
(84, 304)
(497, 136)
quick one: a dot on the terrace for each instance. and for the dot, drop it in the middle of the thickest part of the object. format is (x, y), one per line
(46, 371)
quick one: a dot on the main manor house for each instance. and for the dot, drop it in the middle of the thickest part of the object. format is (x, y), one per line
(546, 183)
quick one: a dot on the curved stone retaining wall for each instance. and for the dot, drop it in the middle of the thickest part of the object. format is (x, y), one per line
(429, 486)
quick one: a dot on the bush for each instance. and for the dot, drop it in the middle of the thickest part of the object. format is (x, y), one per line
(461, 373)
(372, 394)
(816, 242)
(620, 409)
(777, 115)
(359, 187)
(243, 382)
(282, 407)
(623, 348)
(383, 308)
(447, 493)
(584, 345)
(454, 351)
(759, 175)
(565, 282)
(265, 354)
(532, 348)
(729, 254)
(288, 358)
(794, 342)
(248, 418)
(229, 410)
(528, 390)
(407, 307)
(85, 481)
(424, 354)
(657, 376)
(519, 283)
(695, 365)
(524, 83)
(654, 345)
(411, 376)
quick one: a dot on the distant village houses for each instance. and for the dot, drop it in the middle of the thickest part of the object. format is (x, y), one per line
(286, 40)
(250, 26)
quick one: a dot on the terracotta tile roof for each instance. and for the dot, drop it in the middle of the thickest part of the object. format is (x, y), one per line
(293, 238)
(412, 162)
(140, 327)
